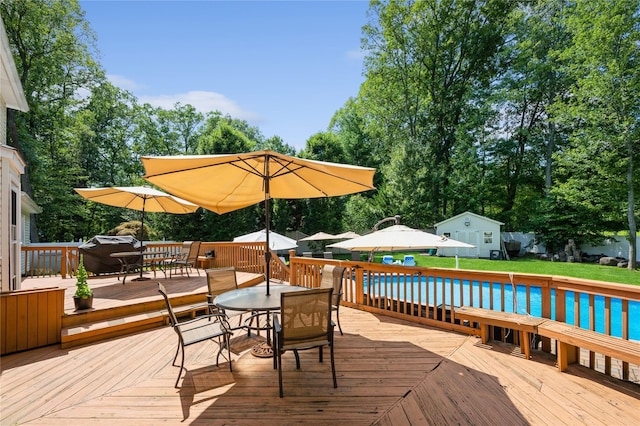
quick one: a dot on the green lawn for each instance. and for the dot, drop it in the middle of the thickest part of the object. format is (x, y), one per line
(528, 265)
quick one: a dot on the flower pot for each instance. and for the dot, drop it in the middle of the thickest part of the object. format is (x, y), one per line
(83, 303)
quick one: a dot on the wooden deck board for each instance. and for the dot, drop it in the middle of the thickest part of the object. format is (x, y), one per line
(389, 373)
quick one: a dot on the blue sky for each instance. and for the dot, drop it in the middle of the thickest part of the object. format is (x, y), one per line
(283, 66)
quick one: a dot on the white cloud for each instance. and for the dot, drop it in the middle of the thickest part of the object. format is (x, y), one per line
(356, 55)
(123, 82)
(204, 102)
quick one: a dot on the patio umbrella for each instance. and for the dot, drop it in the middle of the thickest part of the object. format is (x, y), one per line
(224, 183)
(276, 241)
(141, 198)
(319, 236)
(347, 235)
(398, 237)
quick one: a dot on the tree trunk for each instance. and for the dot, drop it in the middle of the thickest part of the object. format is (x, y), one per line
(549, 158)
(631, 208)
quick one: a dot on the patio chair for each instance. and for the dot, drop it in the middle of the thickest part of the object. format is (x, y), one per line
(328, 254)
(387, 259)
(305, 323)
(186, 259)
(199, 329)
(221, 280)
(332, 277)
(409, 260)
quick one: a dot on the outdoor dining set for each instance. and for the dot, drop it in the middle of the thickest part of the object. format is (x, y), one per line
(137, 261)
(294, 318)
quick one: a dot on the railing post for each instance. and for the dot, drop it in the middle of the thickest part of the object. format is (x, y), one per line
(64, 260)
(546, 313)
(293, 276)
(360, 286)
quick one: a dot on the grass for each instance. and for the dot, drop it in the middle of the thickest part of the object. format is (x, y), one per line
(527, 265)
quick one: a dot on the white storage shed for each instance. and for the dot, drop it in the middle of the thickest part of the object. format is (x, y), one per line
(480, 231)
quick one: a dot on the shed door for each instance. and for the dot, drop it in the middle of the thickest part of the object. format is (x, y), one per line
(471, 237)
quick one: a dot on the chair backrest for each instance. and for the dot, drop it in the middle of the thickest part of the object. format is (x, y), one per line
(305, 316)
(328, 254)
(387, 259)
(220, 280)
(307, 254)
(409, 260)
(193, 252)
(186, 249)
(172, 315)
(332, 277)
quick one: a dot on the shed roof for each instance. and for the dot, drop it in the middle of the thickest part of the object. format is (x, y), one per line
(468, 213)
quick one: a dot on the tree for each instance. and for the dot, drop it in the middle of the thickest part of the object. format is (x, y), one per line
(524, 134)
(53, 49)
(427, 63)
(604, 107)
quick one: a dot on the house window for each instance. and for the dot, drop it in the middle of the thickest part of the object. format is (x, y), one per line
(488, 237)
(447, 234)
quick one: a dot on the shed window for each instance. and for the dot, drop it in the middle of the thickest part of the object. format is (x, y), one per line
(447, 234)
(488, 237)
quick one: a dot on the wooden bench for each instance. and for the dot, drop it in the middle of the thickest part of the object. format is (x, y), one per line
(524, 324)
(570, 339)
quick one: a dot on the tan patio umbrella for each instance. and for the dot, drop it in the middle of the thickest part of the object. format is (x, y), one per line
(224, 183)
(399, 237)
(319, 236)
(347, 235)
(141, 198)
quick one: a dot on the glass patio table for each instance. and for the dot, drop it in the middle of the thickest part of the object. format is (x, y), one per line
(254, 299)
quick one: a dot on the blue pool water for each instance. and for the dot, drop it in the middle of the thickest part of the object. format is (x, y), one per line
(420, 291)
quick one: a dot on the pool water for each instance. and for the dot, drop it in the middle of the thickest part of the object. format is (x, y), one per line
(425, 287)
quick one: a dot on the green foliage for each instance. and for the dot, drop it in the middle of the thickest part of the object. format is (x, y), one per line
(557, 219)
(82, 287)
(526, 112)
(132, 229)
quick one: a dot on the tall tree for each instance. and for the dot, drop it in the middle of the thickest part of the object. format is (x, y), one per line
(604, 108)
(426, 61)
(53, 48)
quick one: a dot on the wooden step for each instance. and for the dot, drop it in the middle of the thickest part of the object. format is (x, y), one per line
(89, 332)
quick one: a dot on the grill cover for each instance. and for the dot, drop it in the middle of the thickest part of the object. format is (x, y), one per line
(96, 252)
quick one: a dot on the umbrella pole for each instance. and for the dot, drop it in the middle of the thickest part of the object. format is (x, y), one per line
(267, 209)
(141, 278)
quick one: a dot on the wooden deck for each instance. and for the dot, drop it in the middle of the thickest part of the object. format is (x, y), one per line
(390, 372)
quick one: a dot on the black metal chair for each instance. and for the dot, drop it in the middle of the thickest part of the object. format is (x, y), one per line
(213, 327)
(305, 323)
(333, 277)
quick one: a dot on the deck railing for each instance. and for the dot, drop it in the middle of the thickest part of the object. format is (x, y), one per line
(430, 295)
(53, 260)
(423, 295)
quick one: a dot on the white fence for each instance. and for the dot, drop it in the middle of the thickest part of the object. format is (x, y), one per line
(613, 246)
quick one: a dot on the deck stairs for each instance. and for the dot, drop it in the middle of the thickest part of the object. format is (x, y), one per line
(90, 326)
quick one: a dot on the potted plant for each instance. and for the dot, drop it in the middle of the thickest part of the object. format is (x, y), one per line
(83, 297)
